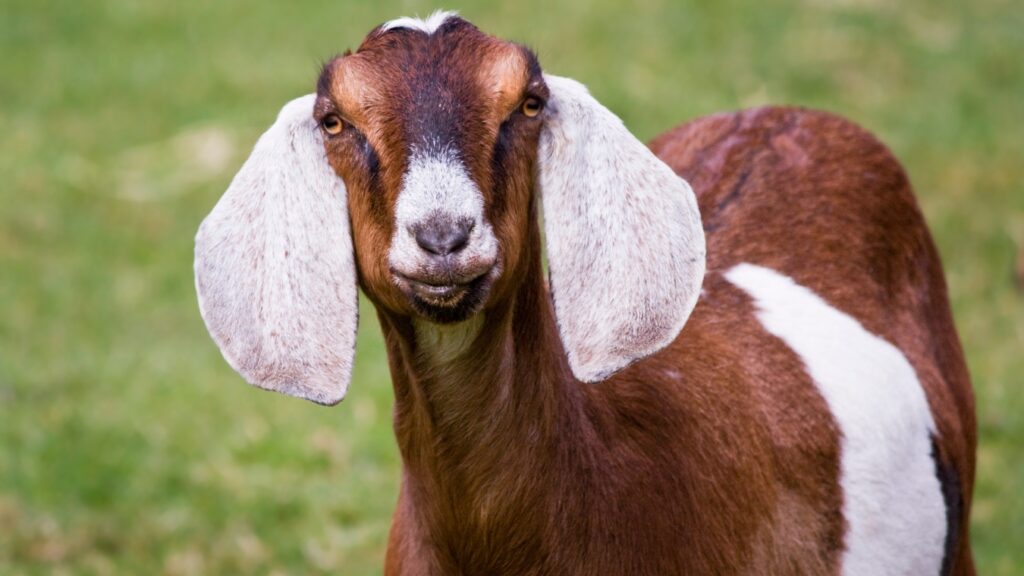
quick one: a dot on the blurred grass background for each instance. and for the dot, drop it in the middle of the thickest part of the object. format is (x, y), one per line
(127, 445)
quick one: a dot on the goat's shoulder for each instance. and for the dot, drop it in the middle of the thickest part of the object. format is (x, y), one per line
(727, 374)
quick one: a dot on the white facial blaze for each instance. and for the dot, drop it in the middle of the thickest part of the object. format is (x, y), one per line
(892, 500)
(438, 187)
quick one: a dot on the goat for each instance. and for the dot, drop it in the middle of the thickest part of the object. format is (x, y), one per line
(781, 386)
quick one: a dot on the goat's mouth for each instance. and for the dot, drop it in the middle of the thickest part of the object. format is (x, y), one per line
(444, 295)
(446, 299)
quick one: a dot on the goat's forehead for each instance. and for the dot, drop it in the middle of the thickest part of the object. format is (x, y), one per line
(408, 64)
(442, 35)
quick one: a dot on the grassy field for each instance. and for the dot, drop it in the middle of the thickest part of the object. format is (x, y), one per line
(128, 446)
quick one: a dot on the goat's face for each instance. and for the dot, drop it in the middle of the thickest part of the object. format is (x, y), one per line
(435, 136)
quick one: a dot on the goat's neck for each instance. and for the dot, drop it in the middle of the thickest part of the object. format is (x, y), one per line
(479, 409)
(498, 377)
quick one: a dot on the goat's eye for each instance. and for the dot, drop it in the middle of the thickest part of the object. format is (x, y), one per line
(532, 106)
(332, 124)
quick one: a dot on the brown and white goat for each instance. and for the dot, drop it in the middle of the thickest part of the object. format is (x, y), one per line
(791, 400)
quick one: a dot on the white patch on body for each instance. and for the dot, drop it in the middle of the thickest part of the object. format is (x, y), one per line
(624, 238)
(439, 187)
(892, 500)
(429, 25)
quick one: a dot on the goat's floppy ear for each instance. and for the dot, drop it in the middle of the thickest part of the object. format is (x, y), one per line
(624, 237)
(275, 269)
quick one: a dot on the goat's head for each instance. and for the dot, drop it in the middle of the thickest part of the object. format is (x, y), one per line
(437, 139)
(435, 135)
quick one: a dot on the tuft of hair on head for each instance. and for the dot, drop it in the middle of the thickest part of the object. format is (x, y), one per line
(428, 25)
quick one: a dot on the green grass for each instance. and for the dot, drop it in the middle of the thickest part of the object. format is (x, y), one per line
(128, 446)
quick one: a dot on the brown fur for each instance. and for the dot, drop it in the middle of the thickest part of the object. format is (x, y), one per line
(854, 218)
(716, 455)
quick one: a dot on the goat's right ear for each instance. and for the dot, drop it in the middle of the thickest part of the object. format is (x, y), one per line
(624, 236)
(275, 268)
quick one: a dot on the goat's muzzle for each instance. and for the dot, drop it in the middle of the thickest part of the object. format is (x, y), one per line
(451, 269)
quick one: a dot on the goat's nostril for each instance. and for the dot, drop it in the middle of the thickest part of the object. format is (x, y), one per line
(443, 239)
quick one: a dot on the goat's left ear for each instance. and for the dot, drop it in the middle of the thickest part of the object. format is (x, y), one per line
(624, 237)
(275, 269)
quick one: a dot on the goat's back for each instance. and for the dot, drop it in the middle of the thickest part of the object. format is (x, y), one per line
(819, 200)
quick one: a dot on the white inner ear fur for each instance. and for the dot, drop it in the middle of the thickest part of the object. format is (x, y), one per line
(624, 238)
(275, 269)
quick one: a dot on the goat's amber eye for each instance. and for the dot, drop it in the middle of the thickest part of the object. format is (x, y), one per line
(532, 106)
(332, 124)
